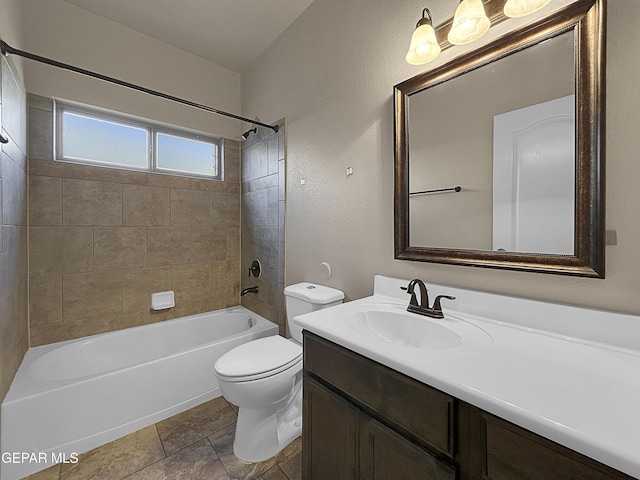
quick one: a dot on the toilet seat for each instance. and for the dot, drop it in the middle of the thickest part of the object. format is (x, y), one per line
(258, 359)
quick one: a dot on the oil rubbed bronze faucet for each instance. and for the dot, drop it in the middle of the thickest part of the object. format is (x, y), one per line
(423, 308)
(249, 290)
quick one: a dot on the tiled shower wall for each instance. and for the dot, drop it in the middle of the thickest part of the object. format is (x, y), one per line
(263, 209)
(102, 240)
(14, 339)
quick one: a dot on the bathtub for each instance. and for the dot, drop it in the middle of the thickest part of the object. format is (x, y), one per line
(70, 397)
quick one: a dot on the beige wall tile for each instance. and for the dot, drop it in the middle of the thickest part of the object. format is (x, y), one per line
(45, 300)
(191, 282)
(160, 180)
(13, 303)
(272, 207)
(14, 199)
(40, 102)
(91, 294)
(254, 208)
(119, 248)
(115, 321)
(272, 154)
(225, 210)
(59, 332)
(231, 162)
(233, 187)
(91, 203)
(219, 244)
(180, 245)
(189, 207)
(115, 175)
(60, 250)
(45, 200)
(14, 105)
(232, 243)
(40, 133)
(207, 185)
(14, 340)
(50, 168)
(140, 284)
(148, 316)
(225, 283)
(146, 206)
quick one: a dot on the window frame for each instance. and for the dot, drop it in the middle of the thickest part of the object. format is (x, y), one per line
(61, 107)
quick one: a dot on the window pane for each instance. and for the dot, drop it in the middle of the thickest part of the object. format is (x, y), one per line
(180, 154)
(101, 141)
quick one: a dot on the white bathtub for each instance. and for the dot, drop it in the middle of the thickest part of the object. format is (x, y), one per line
(72, 396)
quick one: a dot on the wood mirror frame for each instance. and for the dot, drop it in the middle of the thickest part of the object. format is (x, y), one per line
(586, 18)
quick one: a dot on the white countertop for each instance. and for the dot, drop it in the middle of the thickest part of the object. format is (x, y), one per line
(570, 389)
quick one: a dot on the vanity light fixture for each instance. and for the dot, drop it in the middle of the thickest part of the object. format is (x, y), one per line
(521, 8)
(424, 46)
(470, 22)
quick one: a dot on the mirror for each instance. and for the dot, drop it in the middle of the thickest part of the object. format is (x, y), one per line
(499, 153)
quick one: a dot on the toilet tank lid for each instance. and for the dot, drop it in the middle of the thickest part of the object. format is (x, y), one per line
(313, 293)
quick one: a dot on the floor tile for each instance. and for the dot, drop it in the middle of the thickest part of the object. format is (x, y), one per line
(292, 465)
(195, 424)
(193, 445)
(273, 473)
(197, 461)
(117, 459)
(51, 473)
(222, 443)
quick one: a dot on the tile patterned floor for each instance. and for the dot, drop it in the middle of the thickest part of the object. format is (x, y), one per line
(193, 445)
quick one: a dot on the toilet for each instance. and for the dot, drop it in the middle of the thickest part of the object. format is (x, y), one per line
(264, 379)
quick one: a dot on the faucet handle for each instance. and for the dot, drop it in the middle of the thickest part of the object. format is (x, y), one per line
(255, 268)
(424, 298)
(436, 302)
(414, 299)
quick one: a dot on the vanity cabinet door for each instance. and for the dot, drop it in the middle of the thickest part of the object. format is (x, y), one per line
(513, 453)
(385, 455)
(329, 437)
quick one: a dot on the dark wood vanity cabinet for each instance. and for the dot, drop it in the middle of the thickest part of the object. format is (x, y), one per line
(365, 421)
(362, 420)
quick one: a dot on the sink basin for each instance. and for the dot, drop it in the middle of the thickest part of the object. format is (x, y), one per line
(397, 326)
(408, 330)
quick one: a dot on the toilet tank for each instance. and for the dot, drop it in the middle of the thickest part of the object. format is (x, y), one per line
(308, 297)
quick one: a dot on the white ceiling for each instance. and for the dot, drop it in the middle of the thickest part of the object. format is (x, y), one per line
(231, 33)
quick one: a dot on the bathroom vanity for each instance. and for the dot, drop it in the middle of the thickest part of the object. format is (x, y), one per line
(466, 411)
(365, 420)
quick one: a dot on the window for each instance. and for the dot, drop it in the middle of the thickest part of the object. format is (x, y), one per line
(98, 137)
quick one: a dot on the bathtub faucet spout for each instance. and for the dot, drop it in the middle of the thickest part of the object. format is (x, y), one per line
(249, 290)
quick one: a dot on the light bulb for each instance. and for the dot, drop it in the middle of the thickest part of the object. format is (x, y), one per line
(521, 8)
(470, 22)
(424, 46)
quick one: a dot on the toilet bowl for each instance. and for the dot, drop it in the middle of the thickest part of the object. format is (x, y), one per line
(264, 379)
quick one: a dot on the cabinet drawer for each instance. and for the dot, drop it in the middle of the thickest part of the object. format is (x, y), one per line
(416, 410)
(513, 453)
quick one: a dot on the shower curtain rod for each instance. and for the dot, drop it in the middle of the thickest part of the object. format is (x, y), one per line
(6, 49)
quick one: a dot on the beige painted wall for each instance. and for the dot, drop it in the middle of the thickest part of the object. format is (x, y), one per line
(69, 34)
(332, 73)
